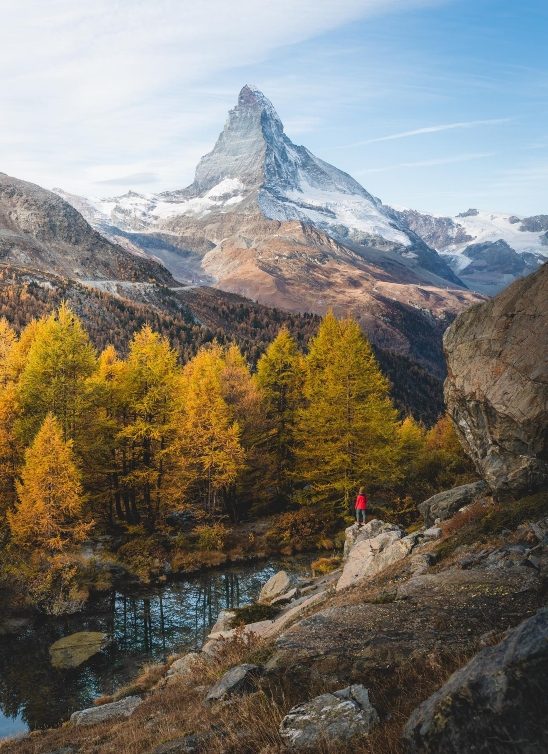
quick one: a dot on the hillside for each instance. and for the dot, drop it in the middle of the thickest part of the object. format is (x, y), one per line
(38, 229)
(191, 317)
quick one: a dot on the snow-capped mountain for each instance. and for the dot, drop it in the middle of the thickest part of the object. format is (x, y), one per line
(267, 219)
(487, 250)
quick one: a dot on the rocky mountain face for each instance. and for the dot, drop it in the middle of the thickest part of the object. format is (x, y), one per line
(497, 385)
(41, 231)
(266, 219)
(486, 250)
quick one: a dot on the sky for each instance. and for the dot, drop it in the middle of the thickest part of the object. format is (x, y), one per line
(438, 105)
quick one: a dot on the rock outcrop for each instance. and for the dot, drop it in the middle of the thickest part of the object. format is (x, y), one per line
(498, 702)
(105, 712)
(276, 586)
(445, 504)
(371, 549)
(497, 385)
(329, 719)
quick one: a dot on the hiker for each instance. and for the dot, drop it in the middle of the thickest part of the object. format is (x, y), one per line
(361, 506)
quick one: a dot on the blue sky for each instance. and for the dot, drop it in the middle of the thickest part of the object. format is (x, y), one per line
(434, 105)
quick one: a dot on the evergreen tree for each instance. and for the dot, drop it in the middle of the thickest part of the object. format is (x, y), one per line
(347, 432)
(50, 498)
(280, 376)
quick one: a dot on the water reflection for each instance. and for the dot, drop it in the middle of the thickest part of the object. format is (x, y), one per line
(145, 626)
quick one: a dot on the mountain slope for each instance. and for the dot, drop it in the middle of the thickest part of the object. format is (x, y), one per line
(487, 250)
(189, 318)
(39, 229)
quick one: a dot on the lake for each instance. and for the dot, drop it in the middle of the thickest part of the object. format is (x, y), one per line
(146, 626)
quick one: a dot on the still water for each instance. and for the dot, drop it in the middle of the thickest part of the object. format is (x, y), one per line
(145, 626)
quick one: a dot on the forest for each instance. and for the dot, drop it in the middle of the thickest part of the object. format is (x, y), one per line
(93, 443)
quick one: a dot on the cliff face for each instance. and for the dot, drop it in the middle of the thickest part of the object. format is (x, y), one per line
(497, 385)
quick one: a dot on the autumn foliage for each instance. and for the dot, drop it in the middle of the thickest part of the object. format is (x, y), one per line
(108, 441)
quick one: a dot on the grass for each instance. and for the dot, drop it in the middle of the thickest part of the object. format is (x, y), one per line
(325, 565)
(480, 522)
(249, 724)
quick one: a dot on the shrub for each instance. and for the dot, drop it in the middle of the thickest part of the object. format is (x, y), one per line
(211, 536)
(325, 565)
(254, 614)
(305, 528)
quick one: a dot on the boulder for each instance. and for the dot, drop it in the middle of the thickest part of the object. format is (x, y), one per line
(73, 650)
(104, 712)
(329, 719)
(187, 664)
(497, 702)
(371, 529)
(376, 546)
(224, 621)
(497, 385)
(278, 584)
(283, 599)
(445, 504)
(238, 680)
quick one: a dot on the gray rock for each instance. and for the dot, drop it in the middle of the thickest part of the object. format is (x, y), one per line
(497, 385)
(104, 712)
(376, 546)
(329, 718)
(224, 621)
(445, 504)
(187, 664)
(283, 599)
(238, 680)
(498, 702)
(434, 532)
(278, 584)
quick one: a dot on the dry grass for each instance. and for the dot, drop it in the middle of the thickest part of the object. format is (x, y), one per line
(247, 724)
(150, 675)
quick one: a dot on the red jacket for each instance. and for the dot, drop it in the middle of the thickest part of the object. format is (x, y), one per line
(361, 502)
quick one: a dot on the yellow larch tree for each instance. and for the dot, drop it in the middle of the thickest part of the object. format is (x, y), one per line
(347, 432)
(280, 377)
(50, 502)
(208, 447)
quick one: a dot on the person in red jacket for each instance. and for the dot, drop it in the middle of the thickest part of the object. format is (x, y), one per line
(361, 506)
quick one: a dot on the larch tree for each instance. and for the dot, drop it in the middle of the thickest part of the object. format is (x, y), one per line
(247, 409)
(209, 451)
(280, 377)
(147, 383)
(347, 431)
(48, 512)
(59, 360)
(104, 416)
(10, 450)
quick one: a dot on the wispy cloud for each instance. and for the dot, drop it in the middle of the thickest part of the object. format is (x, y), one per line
(430, 130)
(430, 163)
